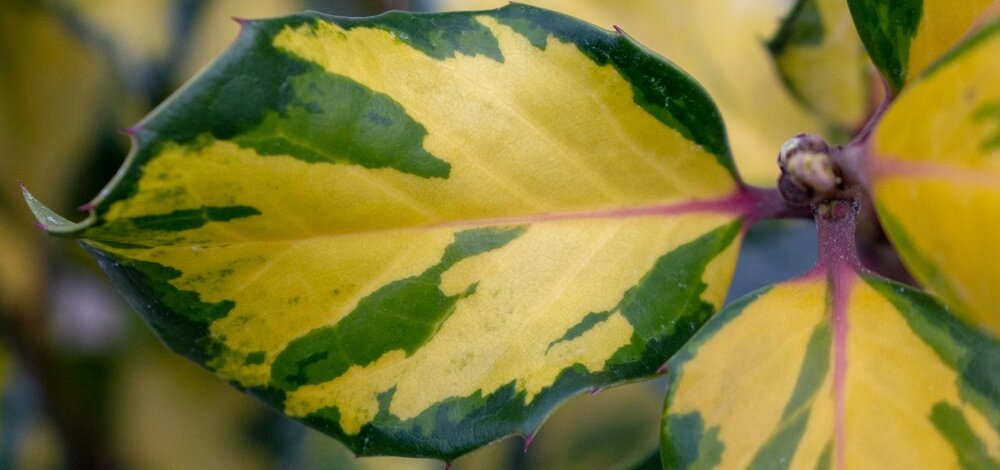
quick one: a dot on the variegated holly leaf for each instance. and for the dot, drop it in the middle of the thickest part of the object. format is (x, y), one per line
(905, 37)
(419, 233)
(934, 171)
(823, 63)
(834, 370)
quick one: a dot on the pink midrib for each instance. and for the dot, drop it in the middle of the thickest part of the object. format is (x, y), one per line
(842, 277)
(878, 168)
(741, 202)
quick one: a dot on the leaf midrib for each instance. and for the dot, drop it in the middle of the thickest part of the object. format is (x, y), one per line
(737, 204)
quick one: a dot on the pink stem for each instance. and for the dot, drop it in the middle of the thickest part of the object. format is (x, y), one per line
(838, 259)
(841, 280)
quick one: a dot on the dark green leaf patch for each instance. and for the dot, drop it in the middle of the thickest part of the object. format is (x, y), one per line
(187, 219)
(440, 36)
(276, 103)
(826, 457)
(802, 27)
(971, 451)
(666, 303)
(688, 445)
(180, 318)
(402, 315)
(989, 114)
(163, 229)
(458, 425)
(327, 118)
(589, 321)
(778, 450)
(255, 358)
(886, 29)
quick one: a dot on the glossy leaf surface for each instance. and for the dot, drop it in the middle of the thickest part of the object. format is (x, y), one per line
(850, 371)
(823, 63)
(934, 169)
(419, 233)
(905, 37)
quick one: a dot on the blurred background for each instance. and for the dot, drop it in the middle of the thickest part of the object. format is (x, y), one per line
(83, 381)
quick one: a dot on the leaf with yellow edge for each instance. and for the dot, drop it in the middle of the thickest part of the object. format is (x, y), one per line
(719, 43)
(837, 369)
(904, 37)
(934, 170)
(419, 233)
(823, 63)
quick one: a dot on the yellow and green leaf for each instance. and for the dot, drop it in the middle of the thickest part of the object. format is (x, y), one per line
(934, 171)
(843, 370)
(419, 233)
(905, 37)
(823, 63)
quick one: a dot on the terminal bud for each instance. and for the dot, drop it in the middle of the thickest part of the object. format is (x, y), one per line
(808, 172)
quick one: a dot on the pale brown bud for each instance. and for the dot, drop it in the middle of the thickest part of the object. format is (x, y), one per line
(806, 163)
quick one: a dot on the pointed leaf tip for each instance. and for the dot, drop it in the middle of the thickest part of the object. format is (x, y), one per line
(48, 219)
(243, 22)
